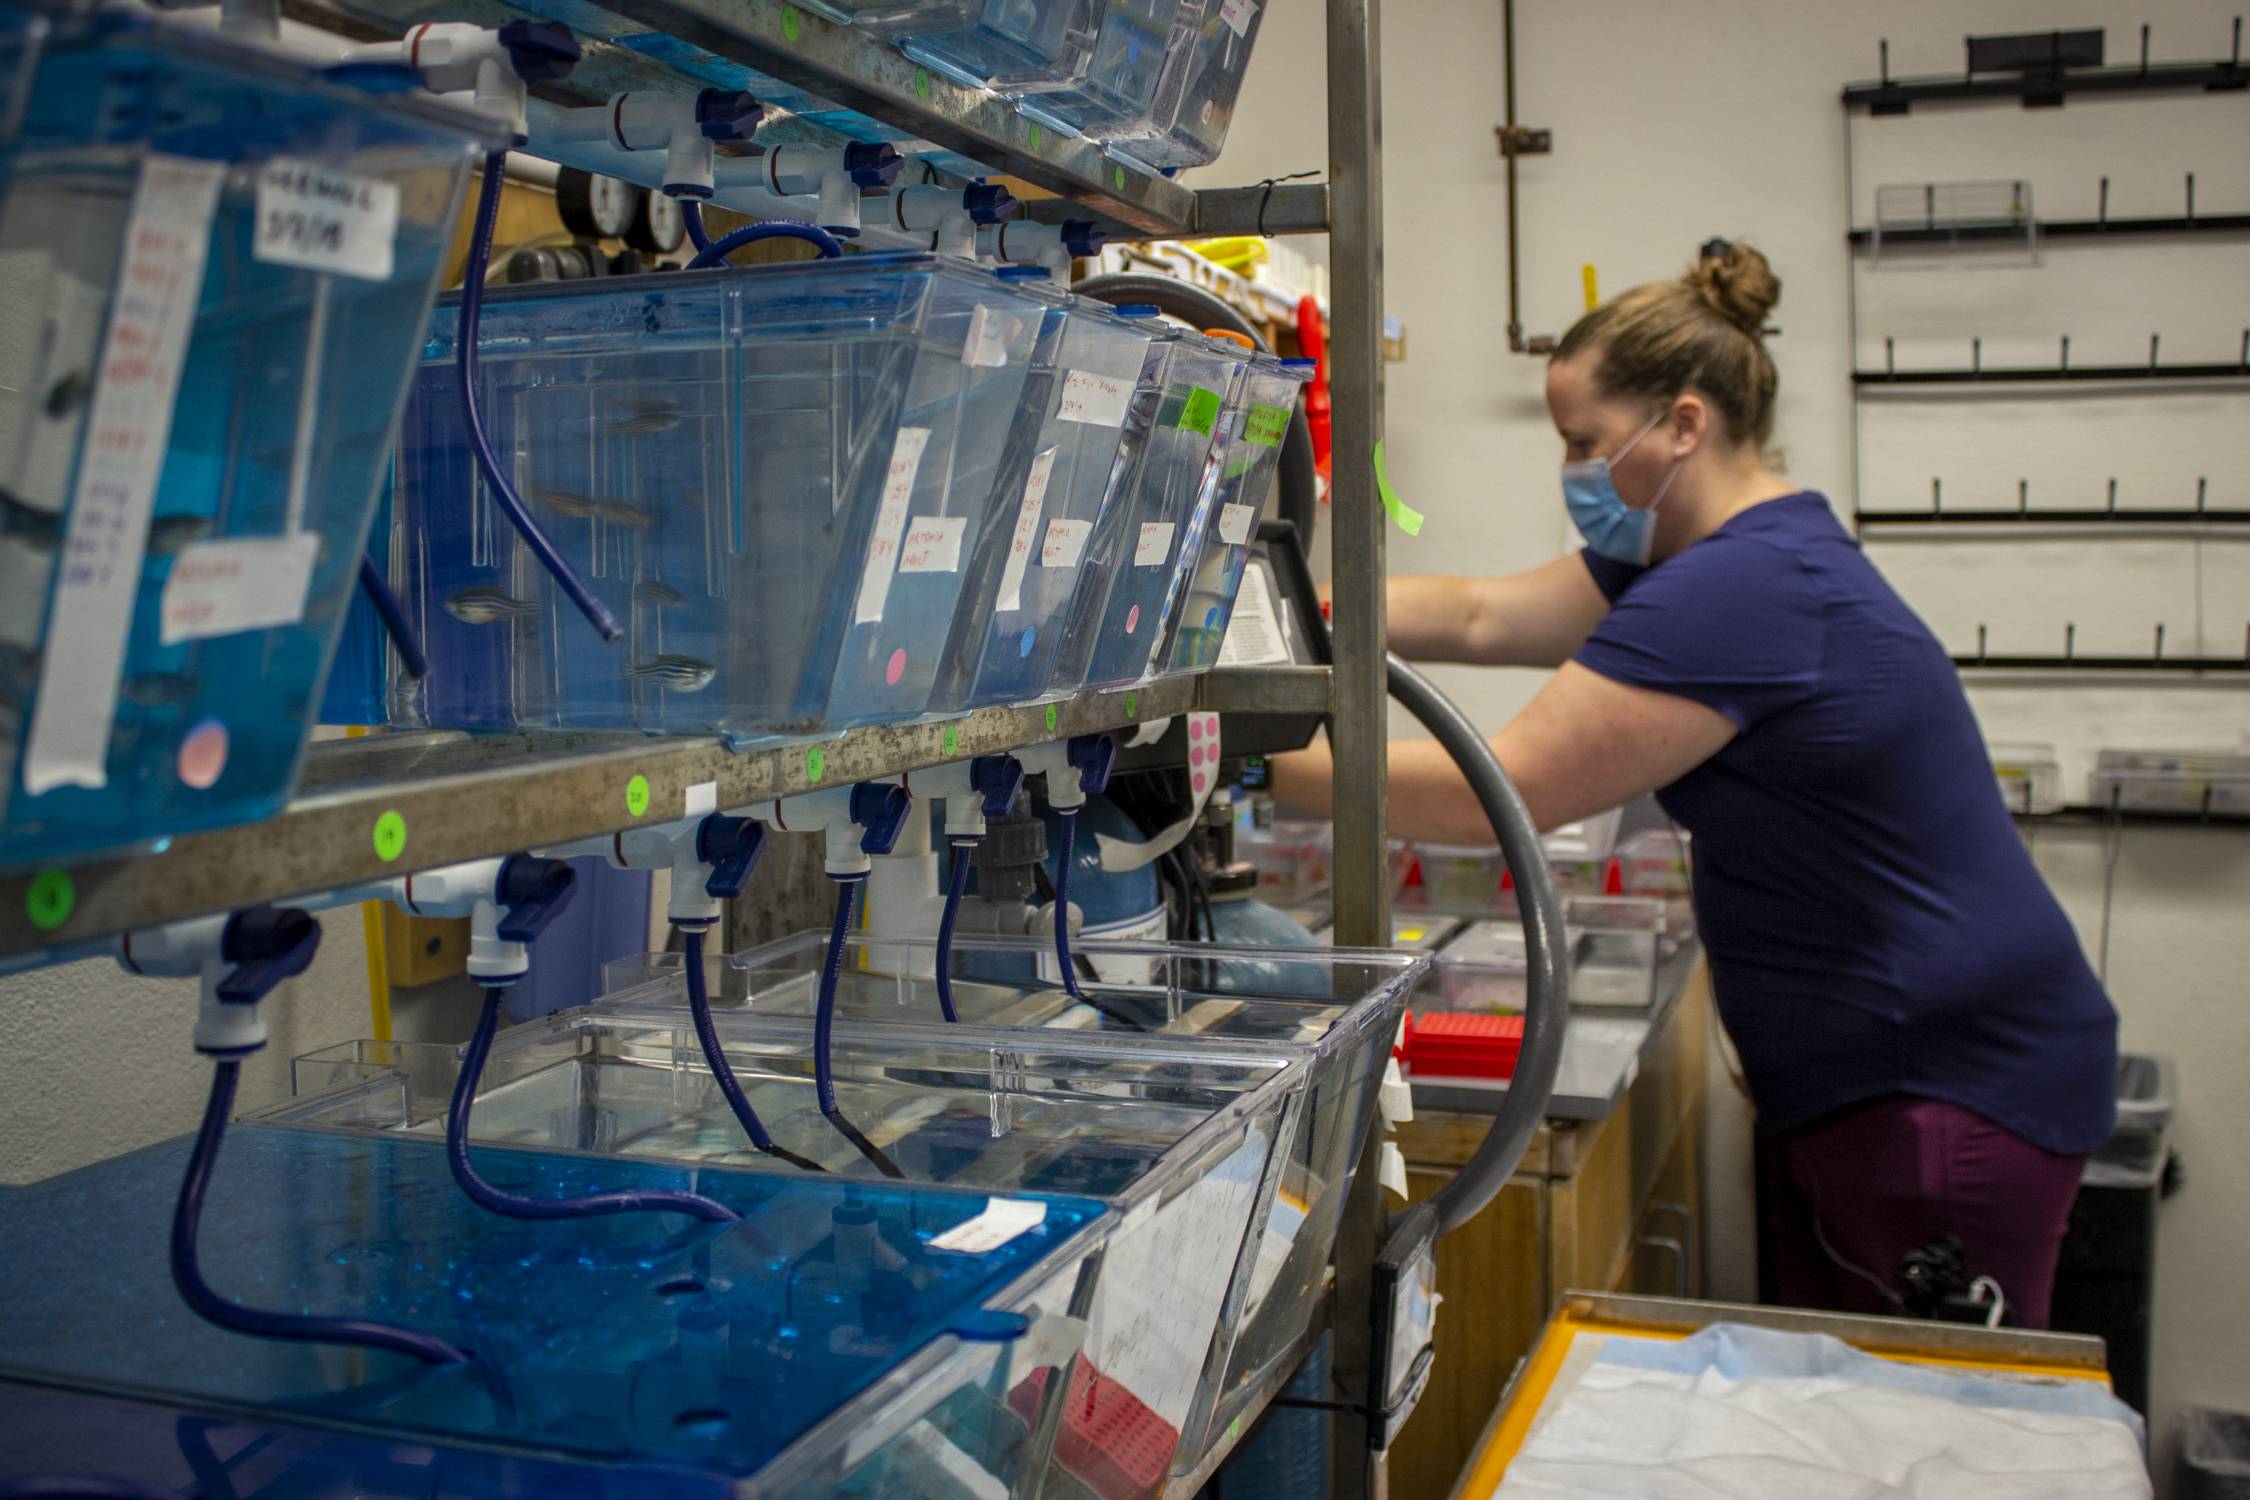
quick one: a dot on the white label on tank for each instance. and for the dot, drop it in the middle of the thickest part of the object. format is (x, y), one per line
(1254, 630)
(1026, 535)
(1094, 398)
(1154, 546)
(890, 525)
(1066, 543)
(128, 427)
(325, 220)
(700, 800)
(1239, 14)
(990, 332)
(252, 583)
(1002, 1220)
(1234, 523)
(933, 544)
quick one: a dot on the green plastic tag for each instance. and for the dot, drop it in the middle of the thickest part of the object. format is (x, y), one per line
(816, 763)
(952, 741)
(789, 23)
(390, 836)
(636, 795)
(49, 899)
(1201, 411)
(922, 82)
(1409, 519)
(1052, 717)
(1132, 704)
(1265, 426)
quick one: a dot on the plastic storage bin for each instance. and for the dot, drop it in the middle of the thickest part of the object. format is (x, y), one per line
(1614, 942)
(831, 1341)
(1134, 580)
(1186, 123)
(1180, 1140)
(2214, 1455)
(1054, 481)
(1194, 995)
(983, 43)
(1483, 969)
(2207, 783)
(218, 265)
(1452, 877)
(1257, 417)
(1113, 80)
(2030, 777)
(1294, 857)
(773, 475)
(1659, 862)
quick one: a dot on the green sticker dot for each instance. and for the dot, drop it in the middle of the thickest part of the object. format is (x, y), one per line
(789, 23)
(636, 795)
(952, 741)
(49, 900)
(1119, 179)
(1037, 136)
(1132, 704)
(1051, 717)
(816, 763)
(390, 836)
(922, 82)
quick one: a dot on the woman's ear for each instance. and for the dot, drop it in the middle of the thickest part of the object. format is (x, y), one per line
(1690, 424)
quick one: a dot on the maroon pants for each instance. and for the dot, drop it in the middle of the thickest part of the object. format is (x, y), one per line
(1841, 1203)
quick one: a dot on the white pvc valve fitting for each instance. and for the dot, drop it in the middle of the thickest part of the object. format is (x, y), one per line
(1064, 793)
(457, 56)
(193, 949)
(466, 890)
(836, 175)
(830, 811)
(1015, 242)
(954, 784)
(949, 215)
(685, 127)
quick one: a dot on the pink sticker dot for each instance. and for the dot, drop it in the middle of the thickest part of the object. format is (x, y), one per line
(1132, 618)
(1202, 780)
(1195, 729)
(1195, 756)
(897, 667)
(203, 754)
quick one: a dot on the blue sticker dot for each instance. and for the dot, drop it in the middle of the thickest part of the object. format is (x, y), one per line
(1030, 634)
(1211, 618)
(1132, 50)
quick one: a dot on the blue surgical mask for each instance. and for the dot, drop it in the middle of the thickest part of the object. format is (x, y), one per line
(1615, 530)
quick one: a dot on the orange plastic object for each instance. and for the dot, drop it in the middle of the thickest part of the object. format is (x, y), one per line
(1232, 337)
(1461, 1044)
(1110, 1440)
(1312, 342)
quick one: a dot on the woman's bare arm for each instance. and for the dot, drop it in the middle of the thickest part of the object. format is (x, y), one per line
(1530, 619)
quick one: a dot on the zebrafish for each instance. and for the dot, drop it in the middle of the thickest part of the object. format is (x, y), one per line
(657, 592)
(645, 420)
(582, 507)
(159, 690)
(682, 674)
(169, 534)
(43, 527)
(486, 606)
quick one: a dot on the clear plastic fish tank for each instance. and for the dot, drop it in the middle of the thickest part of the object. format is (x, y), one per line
(1186, 122)
(1056, 477)
(1152, 532)
(982, 43)
(773, 475)
(840, 1336)
(1185, 1143)
(218, 263)
(1252, 427)
(1340, 1007)
(1112, 74)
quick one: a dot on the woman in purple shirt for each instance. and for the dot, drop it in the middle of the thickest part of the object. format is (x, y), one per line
(1927, 1049)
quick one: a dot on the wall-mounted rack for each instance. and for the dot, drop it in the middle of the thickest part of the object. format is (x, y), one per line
(2090, 816)
(2071, 660)
(2046, 82)
(2024, 514)
(2075, 231)
(1979, 373)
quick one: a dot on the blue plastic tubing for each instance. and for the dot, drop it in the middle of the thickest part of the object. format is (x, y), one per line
(716, 253)
(393, 615)
(187, 1275)
(722, 1073)
(465, 359)
(691, 214)
(1062, 904)
(831, 973)
(515, 1206)
(954, 891)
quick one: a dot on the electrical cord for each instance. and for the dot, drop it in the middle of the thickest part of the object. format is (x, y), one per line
(187, 1272)
(691, 214)
(465, 360)
(716, 253)
(377, 588)
(722, 1072)
(515, 1206)
(955, 889)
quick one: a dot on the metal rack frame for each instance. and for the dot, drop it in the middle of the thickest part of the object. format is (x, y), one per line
(459, 798)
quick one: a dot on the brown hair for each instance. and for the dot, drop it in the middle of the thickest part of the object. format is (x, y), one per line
(1704, 332)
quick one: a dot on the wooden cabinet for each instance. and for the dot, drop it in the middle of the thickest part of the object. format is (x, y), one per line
(1595, 1205)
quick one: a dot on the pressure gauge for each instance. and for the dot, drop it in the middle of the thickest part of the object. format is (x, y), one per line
(658, 228)
(599, 208)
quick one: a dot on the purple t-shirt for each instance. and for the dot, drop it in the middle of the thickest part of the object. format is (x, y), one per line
(1874, 923)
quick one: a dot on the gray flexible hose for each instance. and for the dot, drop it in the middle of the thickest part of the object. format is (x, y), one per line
(1547, 988)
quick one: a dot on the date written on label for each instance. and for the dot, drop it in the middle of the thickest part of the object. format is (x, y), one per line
(1094, 398)
(324, 220)
(1155, 544)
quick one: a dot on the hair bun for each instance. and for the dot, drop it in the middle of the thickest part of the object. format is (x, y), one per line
(1736, 283)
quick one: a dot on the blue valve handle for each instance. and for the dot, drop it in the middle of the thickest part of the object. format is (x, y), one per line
(730, 846)
(727, 114)
(540, 51)
(880, 811)
(989, 202)
(267, 944)
(1092, 755)
(872, 163)
(999, 780)
(531, 892)
(1083, 237)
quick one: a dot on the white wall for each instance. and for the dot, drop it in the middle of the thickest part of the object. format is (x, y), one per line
(1673, 123)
